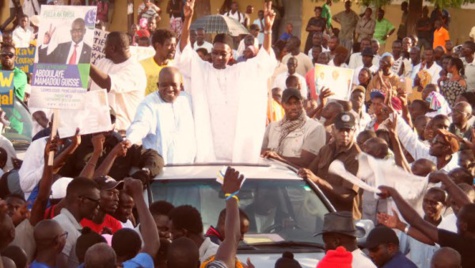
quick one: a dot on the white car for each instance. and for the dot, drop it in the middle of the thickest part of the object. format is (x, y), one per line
(285, 211)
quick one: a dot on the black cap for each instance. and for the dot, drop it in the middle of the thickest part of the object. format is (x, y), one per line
(107, 182)
(287, 261)
(381, 235)
(367, 51)
(341, 222)
(289, 93)
(345, 120)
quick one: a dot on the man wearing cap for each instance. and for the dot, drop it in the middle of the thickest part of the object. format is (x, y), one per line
(339, 230)
(367, 58)
(296, 138)
(342, 194)
(103, 222)
(229, 102)
(356, 59)
(384, 79)
(383, 246)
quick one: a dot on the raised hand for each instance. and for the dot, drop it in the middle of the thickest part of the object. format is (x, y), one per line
(76, 139)
(188, 9)
(269, 15)
(232, 181)
(325, 93)
(387, 220)
(49, 34)
(120, 149)
(385, 191)
(51, 146)
(133, 187)
(98, 142)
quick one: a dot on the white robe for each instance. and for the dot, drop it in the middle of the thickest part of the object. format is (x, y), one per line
(229, 105)
(165, 127)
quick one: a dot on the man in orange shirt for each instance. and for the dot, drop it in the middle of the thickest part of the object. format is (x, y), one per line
(440, 35)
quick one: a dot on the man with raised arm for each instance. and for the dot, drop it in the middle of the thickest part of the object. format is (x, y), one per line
(229, 102)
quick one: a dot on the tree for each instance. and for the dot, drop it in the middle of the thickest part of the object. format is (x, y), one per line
(202, 8)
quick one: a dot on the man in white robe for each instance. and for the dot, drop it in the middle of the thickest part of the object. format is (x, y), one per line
(164, 121)
(229, 102)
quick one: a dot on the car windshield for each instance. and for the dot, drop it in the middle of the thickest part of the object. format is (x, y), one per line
(280, 211)
(19, 131)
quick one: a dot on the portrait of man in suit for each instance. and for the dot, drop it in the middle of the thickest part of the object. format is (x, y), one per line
(73, 52)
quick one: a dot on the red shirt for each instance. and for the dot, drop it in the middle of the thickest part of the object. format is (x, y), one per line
(109, 222)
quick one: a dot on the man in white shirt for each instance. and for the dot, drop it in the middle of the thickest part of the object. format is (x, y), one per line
(296, 138)
(468, 49)
(317, 41)
(431, 66)
(356, 59)
(248, 40)
(236, 14)
(122, 76)
(368, 56)
(22, 36)
(279, 81)
(229, 102)
(443, 150)
(200, 41)
(339, 230)
(293, 49)
(415, 55)
(164, 121)
(260, 23)
(73, 52)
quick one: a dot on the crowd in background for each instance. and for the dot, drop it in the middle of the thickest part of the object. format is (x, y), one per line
(237, 99)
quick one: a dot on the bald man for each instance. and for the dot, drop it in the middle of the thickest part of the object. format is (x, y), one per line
(7, 230)
(376, 147)
(50, 239)
(462, 120)
(446, 258)
(7, 263)
(100, 255)
(164, 120)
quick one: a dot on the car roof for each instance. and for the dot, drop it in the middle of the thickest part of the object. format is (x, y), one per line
(265, 169)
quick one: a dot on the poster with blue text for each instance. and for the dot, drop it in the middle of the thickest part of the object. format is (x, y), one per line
(63, 55)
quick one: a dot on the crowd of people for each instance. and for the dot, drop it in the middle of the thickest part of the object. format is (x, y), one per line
(240, 99)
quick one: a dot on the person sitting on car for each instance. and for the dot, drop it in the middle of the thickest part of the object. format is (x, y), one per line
(264, 213)
(296, 138)
(217, 234)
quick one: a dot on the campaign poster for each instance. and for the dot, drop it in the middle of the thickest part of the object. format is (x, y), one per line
(25, 59)
(94, 118)
(7, 96)
(63, 55)
(98, 45)
(337, 79)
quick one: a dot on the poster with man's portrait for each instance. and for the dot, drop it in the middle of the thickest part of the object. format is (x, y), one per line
(63, 55)
(337, 79)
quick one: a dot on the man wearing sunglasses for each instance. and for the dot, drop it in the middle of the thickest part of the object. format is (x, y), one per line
(82, 201)
(73, 52)
(7, 59)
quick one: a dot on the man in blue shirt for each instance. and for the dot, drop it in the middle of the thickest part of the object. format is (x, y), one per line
(383, 246)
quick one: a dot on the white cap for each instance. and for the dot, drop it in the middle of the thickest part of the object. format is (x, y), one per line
(58, 189)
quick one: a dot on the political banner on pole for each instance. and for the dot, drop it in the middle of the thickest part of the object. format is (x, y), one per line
(63, 55)
(7, 96)
(25, 59)
(337, 79)
(98, 46)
